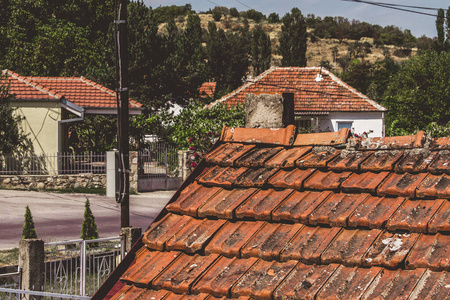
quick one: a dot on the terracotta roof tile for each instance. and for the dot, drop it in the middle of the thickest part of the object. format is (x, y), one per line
(222, 275)
(317, 158)
(348, 283)
(381, 161)
(336, 209)
(326, 138)
(262, 279)
(374, 212)
(390, 249)
(440, 143)
(299, 206)
(180, 275)
(287, 157)
(296, 222)
(326, 180)
(401, 184)
(309, 243)
(305, 281)
(281, 136)
(414, 215)
(260, 205)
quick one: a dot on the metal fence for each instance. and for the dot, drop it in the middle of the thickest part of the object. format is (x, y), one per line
(80, 267)
(12, 279)
(10, 294)
(159, 160)
(60, 163)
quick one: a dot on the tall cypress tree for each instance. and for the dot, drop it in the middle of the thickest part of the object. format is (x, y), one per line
(88, 228)
(28, 231)
(293, 39)
(261, 50)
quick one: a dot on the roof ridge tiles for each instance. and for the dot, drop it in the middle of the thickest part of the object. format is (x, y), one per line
(32, 83)
(273, 136)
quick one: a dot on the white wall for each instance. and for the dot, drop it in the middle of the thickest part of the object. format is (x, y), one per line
(361, 122)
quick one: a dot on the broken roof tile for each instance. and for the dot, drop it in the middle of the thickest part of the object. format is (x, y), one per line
(148, 265)
(259, 206)
(390, 249)
(270, 241)
(255, 177)
(305, 281)
(364, 182)
(323, 138)
(286, 158)
(192, 198)
(299, 205)
(309, 243)
(416, 161)
(441, 163)
(290, 179)
(318, 158)
(325, 180)
(349, 247)
(279, 136)
(381, 161)
(223, 204)
(349, 160)
(229, 240)
(194, 235)
(374, 212)
(441, 220)
(394, 142)
(404, 185)
(222, 275)
(222, 176)
(434, 186)
(336, 209)
(396, 284)
(414, 215)
(227, 154)
(256, 157)
(430, 251)
(179, 276)
(160, 232)
(348, 283)
(262, 279)
(432, 285)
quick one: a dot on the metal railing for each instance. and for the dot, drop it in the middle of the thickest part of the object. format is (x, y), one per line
(60, 163)
(11, 279)
(159, 160)
(79, 267)
(10, 294)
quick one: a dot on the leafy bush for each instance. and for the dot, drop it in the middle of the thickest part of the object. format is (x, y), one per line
(28, 231)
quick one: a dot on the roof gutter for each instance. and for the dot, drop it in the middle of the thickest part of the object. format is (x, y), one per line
(76, 110)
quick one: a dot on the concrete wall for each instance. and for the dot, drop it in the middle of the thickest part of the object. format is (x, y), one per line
(41, 124)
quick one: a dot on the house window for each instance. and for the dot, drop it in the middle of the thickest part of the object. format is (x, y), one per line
(303, 124)
(346, 124)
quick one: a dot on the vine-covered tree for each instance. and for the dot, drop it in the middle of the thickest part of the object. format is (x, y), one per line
(28, 230)
(293, 39)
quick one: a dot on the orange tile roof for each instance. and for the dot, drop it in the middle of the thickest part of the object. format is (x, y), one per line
(78, 90)
(277, 217)
(315, 90)
(207, 89)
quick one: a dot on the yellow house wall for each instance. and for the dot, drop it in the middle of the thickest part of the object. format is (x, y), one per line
(41, 124)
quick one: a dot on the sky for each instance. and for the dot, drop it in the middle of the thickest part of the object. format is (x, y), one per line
(417, 23)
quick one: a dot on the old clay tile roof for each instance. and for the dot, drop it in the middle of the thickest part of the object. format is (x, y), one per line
(267, 216)
(326, 95)
(78, 90)
(207, 89)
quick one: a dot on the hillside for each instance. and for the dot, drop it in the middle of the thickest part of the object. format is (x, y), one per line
(317, 52)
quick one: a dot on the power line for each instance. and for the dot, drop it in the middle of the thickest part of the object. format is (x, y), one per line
(390, 6)
(243, 4)
(213, 2)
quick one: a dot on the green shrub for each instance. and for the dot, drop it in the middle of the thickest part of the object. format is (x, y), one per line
(88, 228)
(28, 231)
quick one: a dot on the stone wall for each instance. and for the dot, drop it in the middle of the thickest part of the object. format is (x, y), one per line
(42, 182)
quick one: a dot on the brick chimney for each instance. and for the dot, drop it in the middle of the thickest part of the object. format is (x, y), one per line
(269, 110)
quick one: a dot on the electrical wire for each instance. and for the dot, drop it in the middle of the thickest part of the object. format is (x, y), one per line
(390, 6)
(243, 4)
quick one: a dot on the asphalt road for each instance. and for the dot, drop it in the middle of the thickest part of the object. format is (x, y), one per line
(58, 217)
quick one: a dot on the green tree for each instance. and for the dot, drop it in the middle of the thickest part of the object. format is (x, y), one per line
(28, 231)
(14, 141)
(261, 50)
(273, 18)
(419, 93)
(88, 228)
(440, 20)
(293, 39)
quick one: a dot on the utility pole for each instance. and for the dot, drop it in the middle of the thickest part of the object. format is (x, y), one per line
(121, 43)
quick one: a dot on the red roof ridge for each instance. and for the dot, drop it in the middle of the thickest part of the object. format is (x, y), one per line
(323, 138)
(276, 136)
(32, 83)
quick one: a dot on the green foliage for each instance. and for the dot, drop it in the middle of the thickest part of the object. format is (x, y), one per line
(86, 135)
(164, 14)
(435, 130)
(88, 228)
(14, 141)
(28, 231)
(234, 12)
(261, 50)
(273, 18)
(216, 15)
(293, 39)
(253, 15)
(419, 94)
